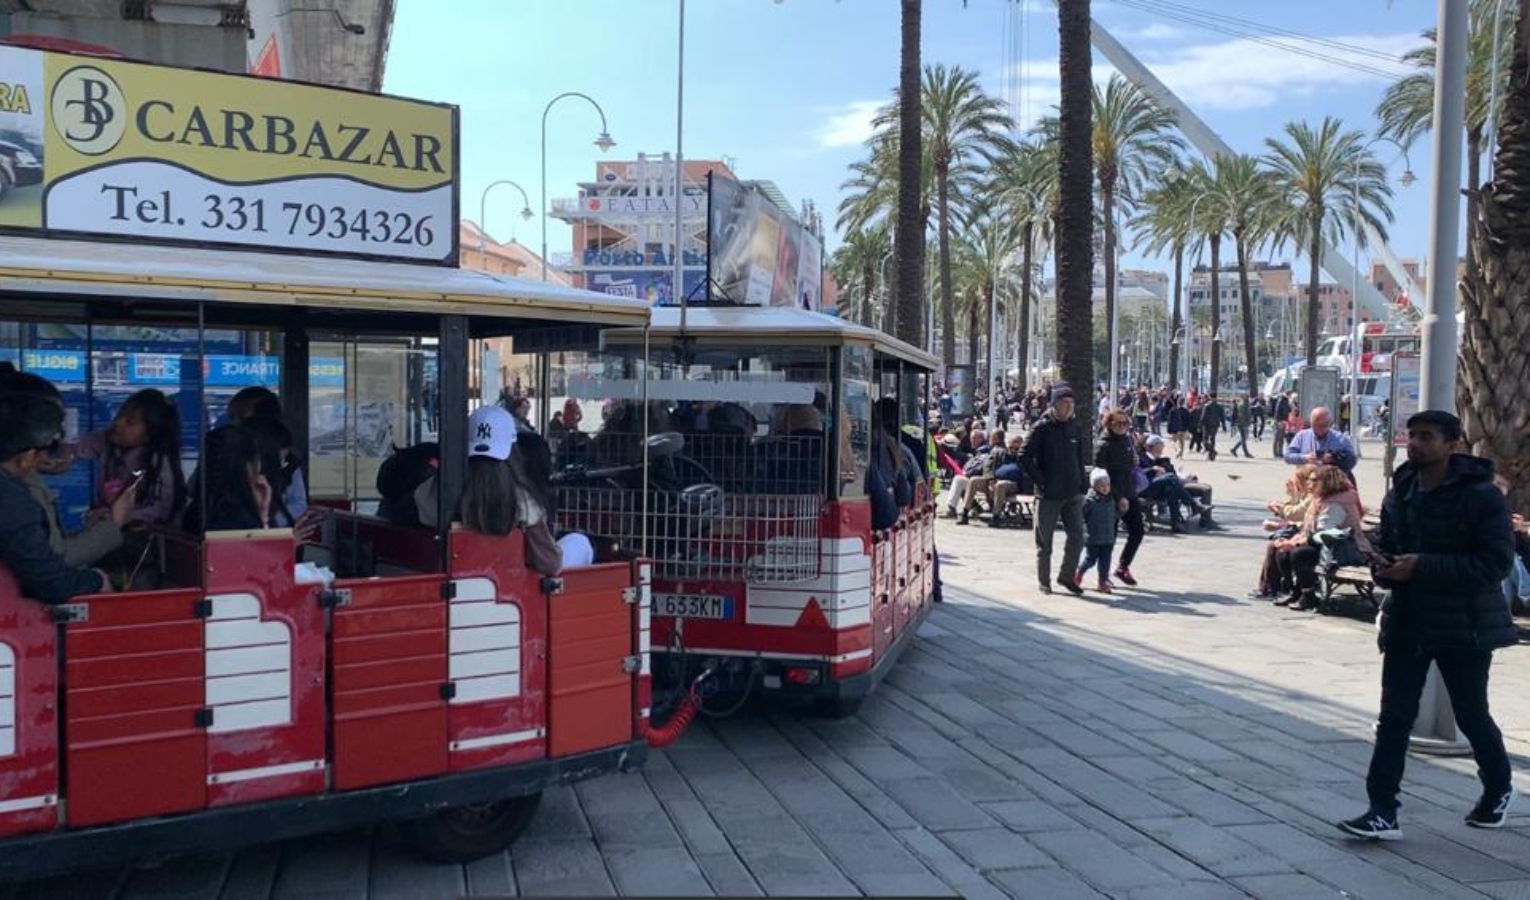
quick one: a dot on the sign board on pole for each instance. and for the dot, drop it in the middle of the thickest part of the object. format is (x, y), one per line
(1318, 386)
(126, 150)
(1405, 400)
(757, 253)
(959, 384)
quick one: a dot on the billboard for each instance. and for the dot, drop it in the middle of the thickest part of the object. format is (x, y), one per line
(757, 254)
(119, 149)
(650, 285)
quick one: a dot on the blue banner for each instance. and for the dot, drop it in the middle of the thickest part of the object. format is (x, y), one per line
(55, 365)
(155, 368)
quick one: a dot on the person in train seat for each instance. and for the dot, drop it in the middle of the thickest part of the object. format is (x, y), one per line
(142, 443)
(261, 404)
(31, 429)
(501, 494)
(100, 537)
(238, 494)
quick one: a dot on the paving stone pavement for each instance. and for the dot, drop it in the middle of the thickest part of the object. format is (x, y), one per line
(1168, 741)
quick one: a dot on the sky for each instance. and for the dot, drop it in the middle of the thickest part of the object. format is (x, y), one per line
(786, 88)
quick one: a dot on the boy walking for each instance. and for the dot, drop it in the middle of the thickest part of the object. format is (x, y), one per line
(1100, 513)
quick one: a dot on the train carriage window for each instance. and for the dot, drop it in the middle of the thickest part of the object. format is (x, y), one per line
(854, 421)
(366, 398)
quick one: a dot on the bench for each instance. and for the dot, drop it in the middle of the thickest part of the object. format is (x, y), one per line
(1332, 578)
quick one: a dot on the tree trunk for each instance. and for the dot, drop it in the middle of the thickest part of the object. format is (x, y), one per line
(1075, 218)
(1107, 208)
(1315, 253)
(989, 328)
(1176, 336)
(973, 332)
(1246, 302)
(1027, 232)
(1493, 387)
(1474, 138)
(908, 247)
(869, 283)
(943, 249)
(1212, 379)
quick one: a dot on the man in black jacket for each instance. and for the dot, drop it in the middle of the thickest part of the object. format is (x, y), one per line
(1279, 411)
(1054, 457)
(30, 426)
(1213, 419)
(1445, 547)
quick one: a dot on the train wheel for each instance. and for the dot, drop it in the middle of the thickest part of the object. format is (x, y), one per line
(465, 833)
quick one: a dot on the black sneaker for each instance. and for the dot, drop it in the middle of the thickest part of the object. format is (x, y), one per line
(1071, 587)
(1373, 826)
(1044, 587)
(1491, 810)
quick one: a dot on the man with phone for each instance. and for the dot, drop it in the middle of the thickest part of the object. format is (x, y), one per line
(1444, 549)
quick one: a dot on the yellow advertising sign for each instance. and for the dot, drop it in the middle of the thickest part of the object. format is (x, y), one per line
(135, 150)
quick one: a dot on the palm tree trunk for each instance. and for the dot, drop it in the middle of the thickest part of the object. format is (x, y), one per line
(988, 329)
(1315, 253)
(1246, 302)
(972, 339)
(1474, 138)
(1216, 313)
(943, 236)
(868, 284)
(908, 245)
(1026, 233)
(1494, 384)
(1075, 217)
(1175, 334)
(1107, 208)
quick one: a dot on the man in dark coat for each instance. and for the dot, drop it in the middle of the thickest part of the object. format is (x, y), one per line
(1279, 411)
(1213, 419)
(1445, 546)
(30, 428)
(1054, 457)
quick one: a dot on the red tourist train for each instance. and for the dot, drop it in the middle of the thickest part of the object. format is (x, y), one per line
(768, 573)
(436, 681)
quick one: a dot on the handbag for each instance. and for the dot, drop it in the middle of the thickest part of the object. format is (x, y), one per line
(1338, 548)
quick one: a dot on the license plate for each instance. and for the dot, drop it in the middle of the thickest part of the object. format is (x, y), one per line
(693, 606)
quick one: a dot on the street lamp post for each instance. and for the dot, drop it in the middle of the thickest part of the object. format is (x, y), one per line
(603, 141)
(483, 228)
(1355, 342)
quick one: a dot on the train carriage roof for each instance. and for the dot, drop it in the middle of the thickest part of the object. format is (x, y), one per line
(46, 267)
(760, 325)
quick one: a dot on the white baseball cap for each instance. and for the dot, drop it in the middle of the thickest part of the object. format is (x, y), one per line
(491, 432)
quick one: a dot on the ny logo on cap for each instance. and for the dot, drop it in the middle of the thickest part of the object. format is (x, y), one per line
(485, 431)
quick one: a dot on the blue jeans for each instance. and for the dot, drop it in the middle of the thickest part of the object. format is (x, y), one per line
(1097, 555)
(1517, 585)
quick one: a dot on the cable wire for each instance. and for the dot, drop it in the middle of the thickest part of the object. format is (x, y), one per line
(1260, 27)
(1145, 6)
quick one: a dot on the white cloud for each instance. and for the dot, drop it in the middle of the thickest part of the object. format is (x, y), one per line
(848, 125)
(1157, 31)
(1243, 74)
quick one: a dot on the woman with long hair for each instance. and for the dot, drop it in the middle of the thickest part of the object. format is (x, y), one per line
(237, 494)
(142, 444)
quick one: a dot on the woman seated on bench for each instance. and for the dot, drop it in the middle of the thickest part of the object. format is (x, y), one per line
(499, 496)
(1292, 510)
(1335, 505)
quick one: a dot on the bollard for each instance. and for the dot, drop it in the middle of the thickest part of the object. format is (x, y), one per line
(1434, 731)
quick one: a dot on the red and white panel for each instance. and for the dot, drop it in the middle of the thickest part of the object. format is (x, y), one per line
(483, 644)
(249, 666)
(841, 592)
(7, 700)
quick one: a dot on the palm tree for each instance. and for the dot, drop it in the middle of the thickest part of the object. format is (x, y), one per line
(1495, 348)
(1406, 110)
(1075, 207)
(965, 131)
(1025, 184)
(857, 266)
(988, 247)
(1133, 137)
(1246, 201)
(908, 249)
(1210, 222)
(1164, 223)
(1316, 173)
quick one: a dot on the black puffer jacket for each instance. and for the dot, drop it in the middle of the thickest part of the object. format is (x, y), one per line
(1465, 545)
(1054, 458)
(1116, 455)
